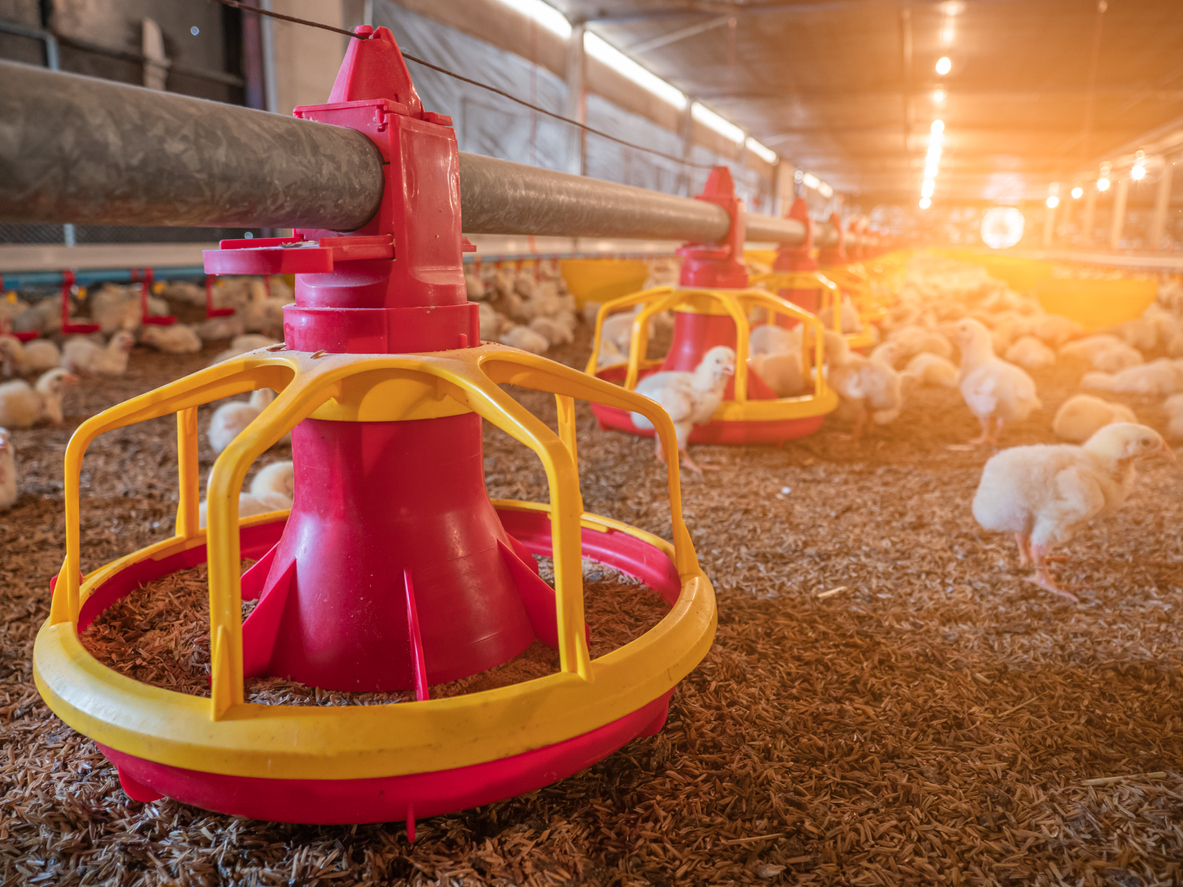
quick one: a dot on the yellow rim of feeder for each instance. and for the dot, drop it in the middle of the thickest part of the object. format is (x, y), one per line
(224, 734)
(734, 303)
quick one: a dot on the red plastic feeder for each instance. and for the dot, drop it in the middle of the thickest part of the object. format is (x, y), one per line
(393, 571)
(712, 298)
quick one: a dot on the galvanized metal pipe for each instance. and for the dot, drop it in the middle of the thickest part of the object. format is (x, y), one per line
(88, 151)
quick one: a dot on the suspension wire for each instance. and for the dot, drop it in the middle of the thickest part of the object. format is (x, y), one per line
(485, 86)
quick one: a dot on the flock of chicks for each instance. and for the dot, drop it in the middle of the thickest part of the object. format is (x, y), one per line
(255, 320)
(1042, 494)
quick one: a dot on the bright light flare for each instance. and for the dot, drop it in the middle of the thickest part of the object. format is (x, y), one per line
(938, 97)
(1053, 201)
(938, 126)
(1103, 184)
(1077, 192)
(927, 188)
(721, 125)
(1138, 172)
(925, 202)
(944, 65)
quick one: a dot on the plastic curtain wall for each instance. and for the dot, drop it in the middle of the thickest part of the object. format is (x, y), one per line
(489, 124)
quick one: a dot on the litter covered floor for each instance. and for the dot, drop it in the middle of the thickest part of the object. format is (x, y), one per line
(887, 700)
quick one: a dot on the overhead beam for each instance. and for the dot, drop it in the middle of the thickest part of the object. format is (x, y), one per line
(721, 8)
(982, 92)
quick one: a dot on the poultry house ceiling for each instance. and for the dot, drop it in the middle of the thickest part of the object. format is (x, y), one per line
(847, 89)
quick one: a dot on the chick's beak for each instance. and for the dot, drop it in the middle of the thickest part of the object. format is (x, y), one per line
(69, 378)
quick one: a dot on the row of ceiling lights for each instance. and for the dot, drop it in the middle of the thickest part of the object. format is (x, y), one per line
(1137, 173)
(550, 18)
(936, 138)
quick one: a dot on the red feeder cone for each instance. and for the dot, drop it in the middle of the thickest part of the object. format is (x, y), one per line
(713, 266)
(389, 517)
(790, 259)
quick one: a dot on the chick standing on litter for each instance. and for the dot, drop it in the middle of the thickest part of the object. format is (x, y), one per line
(995, 391)
(36, 356)
(85, 357)
(866, 388)
(929, 369)
(689, 398)
(230, 419)
(8, 490)
(1045, 493)
(1082, 416)
(272, 489)
(22, 405)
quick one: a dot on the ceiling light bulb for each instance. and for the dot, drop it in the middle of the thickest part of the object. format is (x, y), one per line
(927, 188)
(1138, 172)
(938, 97)
(1102, 184)
(925, 203)
(1077, 192)
(1053, 201)
(938, 126)
(944, 66)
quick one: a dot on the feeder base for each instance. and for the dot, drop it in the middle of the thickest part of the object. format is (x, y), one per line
(726, 432)
(384, 799)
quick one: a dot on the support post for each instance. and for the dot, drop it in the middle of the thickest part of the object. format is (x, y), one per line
(1162, 200)
(1117, 222)
(1090, 213)
(576, 102)
(1049, 226)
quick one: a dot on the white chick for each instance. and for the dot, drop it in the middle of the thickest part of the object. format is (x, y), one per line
(1116, 358)
(781, 372)
(8, 490)
(1082, 416)
(178, 338)
(618, 328)
(230, 419)
(848, 317)
(1174, 409)
(85, 357)
(995, 391)
(609, 355)
(929, 369)
(689, 398)
(242, 344)
(772, 339)
(889, 353)
(22, 405)
(226, 327)
(36, 356)
(1138, 333)
(1090, 346)
(491, 322)
(272, 489)
(526, 339)
(1045, 493)
(1055, 330)
(864, 386)
(1175, 345)
(1030, 353)
(553, 329)
(474, 286)
(115, 307)
(1159, 377)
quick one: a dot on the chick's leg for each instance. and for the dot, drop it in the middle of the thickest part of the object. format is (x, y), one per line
(1024, 542)
(993, 440)
(984, 437)
(1042, 577)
